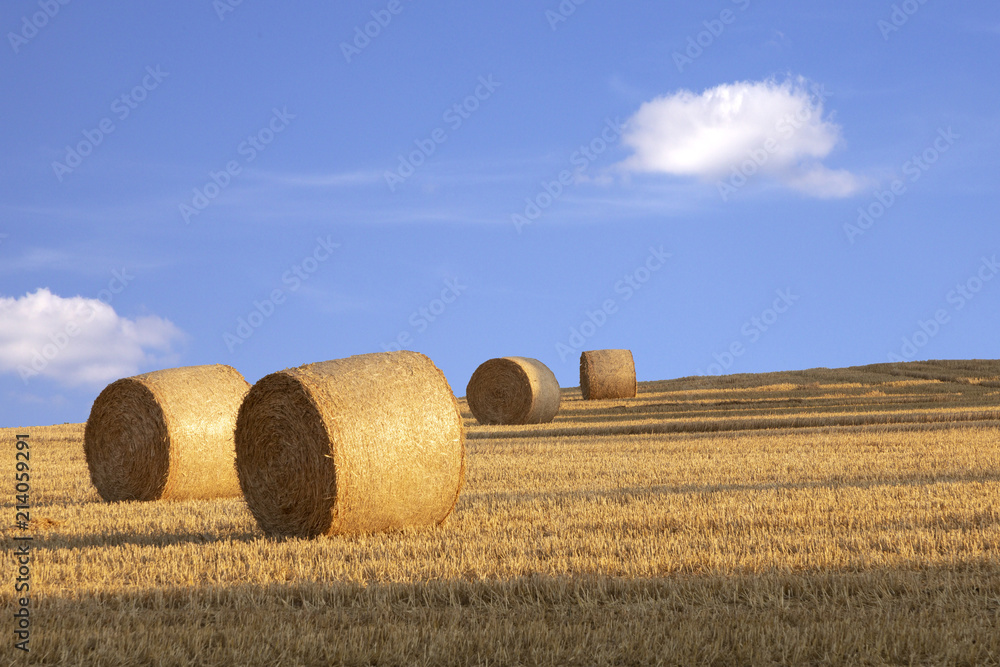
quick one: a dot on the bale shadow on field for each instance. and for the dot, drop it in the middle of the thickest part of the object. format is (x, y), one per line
(629, 493)
(55, 540)
(874, 616)
(770, 425)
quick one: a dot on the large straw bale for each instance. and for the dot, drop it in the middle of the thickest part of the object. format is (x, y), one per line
(607, 374)
(369, 443)
(513, 390)
(166, 435)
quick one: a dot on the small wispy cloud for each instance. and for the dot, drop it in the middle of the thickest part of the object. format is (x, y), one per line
(707, 135)
(38, 259)
(344, 179)
(77, 258)
(778, 40)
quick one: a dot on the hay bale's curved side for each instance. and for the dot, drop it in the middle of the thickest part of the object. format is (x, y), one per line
(166, 435)
(607, 374)
(513, 390)
(368, 443)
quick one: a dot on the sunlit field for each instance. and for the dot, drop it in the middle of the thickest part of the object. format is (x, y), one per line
(820, 517)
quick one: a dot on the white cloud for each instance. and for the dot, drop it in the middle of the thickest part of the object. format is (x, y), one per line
(779, 127)
(78, 341)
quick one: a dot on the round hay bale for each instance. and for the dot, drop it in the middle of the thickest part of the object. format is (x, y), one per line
(607, 374)
(513, 390)
(166, 435)
(368, 443)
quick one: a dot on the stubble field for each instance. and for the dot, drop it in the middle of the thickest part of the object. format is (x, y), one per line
(816, 517)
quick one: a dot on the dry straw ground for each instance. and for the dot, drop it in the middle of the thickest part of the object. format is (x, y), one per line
(819, 517)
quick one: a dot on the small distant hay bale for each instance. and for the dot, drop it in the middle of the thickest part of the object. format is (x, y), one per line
(369, 443)
(607, 374)
(166, 435)
(513, 390)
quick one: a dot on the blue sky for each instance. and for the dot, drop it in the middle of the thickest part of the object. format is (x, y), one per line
(720, 187)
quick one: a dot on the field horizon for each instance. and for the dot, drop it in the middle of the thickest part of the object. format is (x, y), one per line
(708, 381)
(821, 516)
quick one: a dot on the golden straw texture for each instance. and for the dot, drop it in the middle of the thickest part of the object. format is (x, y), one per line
(607, 374)
(369, 443)
(513, 390)
(166, 435)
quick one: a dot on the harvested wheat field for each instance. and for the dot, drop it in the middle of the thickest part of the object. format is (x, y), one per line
(812, 517)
